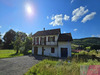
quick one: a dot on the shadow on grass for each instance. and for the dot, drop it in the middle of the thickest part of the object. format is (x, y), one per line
(13, 55)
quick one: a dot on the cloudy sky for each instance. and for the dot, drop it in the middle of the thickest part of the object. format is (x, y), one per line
(79, 17)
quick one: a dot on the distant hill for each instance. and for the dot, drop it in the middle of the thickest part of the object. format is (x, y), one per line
(87, 41)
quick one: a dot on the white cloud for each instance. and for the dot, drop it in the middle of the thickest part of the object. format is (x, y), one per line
(0, 26)
(98, 36)
(57, 19)
(66, 17)
(64, 32)
(88, 17)
(78, 13)
(95, 36)
(75, 29)
(47, 17)
(72, 1)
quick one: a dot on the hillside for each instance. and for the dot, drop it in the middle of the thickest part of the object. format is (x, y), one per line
(87, 41)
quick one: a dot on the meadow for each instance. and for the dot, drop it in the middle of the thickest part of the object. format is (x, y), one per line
(8, 53)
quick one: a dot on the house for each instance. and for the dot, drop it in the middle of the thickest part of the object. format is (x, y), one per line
(51, 43)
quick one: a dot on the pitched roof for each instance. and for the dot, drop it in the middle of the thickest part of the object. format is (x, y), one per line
(65, 37)
(47, 32)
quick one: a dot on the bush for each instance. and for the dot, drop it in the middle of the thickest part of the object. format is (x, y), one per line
(83, 53)
(88, 48)
(92, 52)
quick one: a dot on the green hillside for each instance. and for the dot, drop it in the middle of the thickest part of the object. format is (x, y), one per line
(87, 41)
(93, 42)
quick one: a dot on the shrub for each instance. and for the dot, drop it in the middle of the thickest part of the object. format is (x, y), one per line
(92, 52)
(83, 53)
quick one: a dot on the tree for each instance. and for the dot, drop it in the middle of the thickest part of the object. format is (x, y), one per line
(22, 35)
(96, 47)
(9, 37)
(30, 35)
(1, 43)
(17, 44)
(27, 44)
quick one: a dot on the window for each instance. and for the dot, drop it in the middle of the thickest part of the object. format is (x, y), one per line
(52, 50)
(42, 40)
(51, 39)
(36, 40)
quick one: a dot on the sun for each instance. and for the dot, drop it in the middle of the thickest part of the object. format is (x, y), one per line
(29, 9)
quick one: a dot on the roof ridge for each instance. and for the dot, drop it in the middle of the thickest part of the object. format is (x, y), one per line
(49, 29)
(65, 33)
(48, 32)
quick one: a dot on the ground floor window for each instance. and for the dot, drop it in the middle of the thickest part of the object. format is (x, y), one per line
(52, 50)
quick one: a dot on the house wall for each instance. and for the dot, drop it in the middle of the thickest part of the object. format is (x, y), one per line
(57, 52)
(47, 50)
(64, 45)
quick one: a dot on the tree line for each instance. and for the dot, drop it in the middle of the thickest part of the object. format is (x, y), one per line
(18, 41)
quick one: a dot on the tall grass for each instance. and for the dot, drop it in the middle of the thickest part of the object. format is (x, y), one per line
(54, 67)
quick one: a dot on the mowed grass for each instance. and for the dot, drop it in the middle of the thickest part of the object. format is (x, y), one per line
(55, 67)
(8, 53)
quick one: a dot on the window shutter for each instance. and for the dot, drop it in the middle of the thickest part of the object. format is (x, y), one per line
(48, 39)
(40, 40)
(45, 40)
(54, 39)
(37, 40)
(34, 40)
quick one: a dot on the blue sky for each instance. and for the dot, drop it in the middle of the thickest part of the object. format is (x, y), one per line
(79, 17)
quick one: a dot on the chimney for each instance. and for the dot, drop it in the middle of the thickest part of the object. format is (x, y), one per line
(43, 29)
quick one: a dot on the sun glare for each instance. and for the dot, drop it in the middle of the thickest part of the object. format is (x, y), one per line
(29, 9)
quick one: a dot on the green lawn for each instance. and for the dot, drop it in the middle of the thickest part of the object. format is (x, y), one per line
(9, 53)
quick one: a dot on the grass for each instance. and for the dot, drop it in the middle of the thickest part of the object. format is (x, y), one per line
(10, 53)
(54, 67)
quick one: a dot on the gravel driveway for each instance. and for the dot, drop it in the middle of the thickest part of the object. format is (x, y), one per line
(18, 65)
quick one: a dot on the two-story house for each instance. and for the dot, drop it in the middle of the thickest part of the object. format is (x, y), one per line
(51, 43)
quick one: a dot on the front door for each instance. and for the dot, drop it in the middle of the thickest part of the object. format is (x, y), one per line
(64, 52)
(35, 50)
(42, 50)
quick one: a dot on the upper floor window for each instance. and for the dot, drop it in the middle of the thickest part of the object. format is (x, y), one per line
(43, 40)
(36, 40)
(51, 39)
